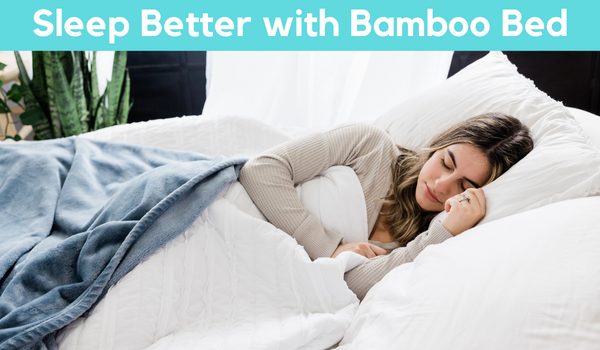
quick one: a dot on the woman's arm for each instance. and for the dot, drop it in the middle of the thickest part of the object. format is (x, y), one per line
(464, 211)
(363, 277)
(270, 178)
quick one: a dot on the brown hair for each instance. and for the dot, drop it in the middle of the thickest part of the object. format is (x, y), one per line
(503, 139)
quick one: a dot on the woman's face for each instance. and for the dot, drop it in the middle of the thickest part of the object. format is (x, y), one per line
(450, 171)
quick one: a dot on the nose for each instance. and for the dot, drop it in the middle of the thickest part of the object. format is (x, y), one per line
(443, 185)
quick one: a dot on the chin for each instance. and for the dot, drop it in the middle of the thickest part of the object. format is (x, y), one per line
(427, 205)
(422, 202)
(430, 208)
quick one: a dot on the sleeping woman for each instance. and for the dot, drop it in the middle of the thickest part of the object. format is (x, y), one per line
(403, 189)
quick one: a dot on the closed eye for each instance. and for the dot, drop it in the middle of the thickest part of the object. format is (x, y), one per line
(454, 162)
(444, 164)
(461, 185)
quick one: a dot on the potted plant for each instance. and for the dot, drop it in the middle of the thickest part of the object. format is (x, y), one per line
(62, 97)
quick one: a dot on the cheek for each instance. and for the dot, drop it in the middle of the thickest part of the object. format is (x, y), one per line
(427, 171)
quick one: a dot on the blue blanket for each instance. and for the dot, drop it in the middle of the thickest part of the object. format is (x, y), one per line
(77, 215)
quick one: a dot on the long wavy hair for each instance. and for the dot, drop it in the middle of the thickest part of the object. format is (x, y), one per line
(503, 139)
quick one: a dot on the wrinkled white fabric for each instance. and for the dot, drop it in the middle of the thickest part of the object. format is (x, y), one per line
(203, 134)
(231, 281)
(528, 281)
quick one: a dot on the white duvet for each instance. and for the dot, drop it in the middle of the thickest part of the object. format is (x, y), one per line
(231, 281)
(234, 281)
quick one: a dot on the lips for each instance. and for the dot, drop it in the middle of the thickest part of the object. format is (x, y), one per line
(430, 195)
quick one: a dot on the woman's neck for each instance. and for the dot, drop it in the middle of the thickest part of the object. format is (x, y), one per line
(381, 232)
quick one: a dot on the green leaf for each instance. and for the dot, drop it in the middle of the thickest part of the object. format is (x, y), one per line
(93, 93)
(42, 128)
(15, 93)
(82, 61)
(24, 78)
(115, 85)
(39, 85)
(17, 137)
(78, 92)
(1, 83)
(124, 105)
(66, 61)
(94, 71)
(2, 65)
(54, 114)
(3, 107)
(100, 112)
(31, 117)
(60, 94)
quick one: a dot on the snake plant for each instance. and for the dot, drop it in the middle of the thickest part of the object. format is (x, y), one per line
(62, 97)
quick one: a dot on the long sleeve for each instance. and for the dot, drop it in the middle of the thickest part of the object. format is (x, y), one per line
(270, 178)
(363, 277)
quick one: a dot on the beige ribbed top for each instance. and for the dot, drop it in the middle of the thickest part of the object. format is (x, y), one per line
(270, 178)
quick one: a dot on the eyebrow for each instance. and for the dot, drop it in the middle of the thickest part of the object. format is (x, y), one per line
(454, 162)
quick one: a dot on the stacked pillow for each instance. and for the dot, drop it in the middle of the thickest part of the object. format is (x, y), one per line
(564, 163)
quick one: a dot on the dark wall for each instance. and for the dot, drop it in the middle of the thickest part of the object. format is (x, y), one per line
(572, 77)
(166, 84)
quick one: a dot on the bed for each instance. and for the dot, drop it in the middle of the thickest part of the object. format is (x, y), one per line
(535, 282)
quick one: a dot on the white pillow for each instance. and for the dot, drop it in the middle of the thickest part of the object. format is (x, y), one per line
(336, 199)
(564, 163)
(528, 281)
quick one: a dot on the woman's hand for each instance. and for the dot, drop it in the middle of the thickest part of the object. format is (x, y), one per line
(365, 249)
(464, 214)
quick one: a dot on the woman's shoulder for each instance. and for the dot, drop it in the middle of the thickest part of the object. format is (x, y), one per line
(367, 129)
(364, 133)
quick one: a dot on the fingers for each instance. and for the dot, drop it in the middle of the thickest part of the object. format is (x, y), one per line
(450, 202)
(477, 200)
(365, 249)
(378, 250)
(464, 214)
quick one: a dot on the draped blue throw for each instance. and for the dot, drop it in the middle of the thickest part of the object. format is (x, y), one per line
(77, 215)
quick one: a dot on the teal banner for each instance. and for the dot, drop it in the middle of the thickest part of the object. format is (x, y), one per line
(299, 25)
